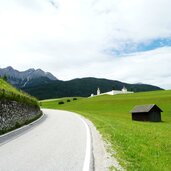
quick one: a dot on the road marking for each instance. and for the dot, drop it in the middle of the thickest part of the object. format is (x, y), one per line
(87, 159)
(86, 165)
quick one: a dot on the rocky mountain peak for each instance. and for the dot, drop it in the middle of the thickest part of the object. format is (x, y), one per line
(9, 68)
(22, 78)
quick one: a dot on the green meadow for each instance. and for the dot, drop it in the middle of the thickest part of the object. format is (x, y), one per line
(139, 146)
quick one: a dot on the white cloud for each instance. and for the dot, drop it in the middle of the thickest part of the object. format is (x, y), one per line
(70, 38)
(151, 67)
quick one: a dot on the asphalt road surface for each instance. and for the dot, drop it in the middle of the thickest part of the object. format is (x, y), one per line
(59, 143)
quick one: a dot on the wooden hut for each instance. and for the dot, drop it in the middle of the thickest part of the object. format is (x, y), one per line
(149, 112)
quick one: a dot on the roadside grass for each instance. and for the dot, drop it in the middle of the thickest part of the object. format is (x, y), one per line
(8, 92)
(139, 146)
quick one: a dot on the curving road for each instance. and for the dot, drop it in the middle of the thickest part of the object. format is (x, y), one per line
(60, 143)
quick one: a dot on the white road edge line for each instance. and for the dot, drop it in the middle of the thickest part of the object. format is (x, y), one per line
(86, 165)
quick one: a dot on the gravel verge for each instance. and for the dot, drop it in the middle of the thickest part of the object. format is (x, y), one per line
(102, 159)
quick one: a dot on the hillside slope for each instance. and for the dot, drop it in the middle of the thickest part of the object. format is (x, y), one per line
(4, 85)
(8, 92)
(81, 87)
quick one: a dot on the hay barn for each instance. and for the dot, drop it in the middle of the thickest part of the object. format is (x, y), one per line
(149, 112)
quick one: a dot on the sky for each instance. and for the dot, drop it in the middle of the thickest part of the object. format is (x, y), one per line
(126, 40)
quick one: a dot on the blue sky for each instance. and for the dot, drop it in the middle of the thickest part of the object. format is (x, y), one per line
(126, 40)
(154, 44)
(132, 47)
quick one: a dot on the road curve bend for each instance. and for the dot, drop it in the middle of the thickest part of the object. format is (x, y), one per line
(60, 143)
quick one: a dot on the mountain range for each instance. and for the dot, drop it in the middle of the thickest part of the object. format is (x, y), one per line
(24, 78)
(44, 85)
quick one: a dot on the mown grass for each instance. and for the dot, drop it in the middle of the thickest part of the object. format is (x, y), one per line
(54, 103)
(141, 146)
(8, 92)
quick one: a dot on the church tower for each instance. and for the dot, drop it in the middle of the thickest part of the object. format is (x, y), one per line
(98, 91)
(124, 90)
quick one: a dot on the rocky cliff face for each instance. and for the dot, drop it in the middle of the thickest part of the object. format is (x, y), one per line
(14, 114)
(21, 79)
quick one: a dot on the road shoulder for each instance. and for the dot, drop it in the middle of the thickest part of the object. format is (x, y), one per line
(102, 159)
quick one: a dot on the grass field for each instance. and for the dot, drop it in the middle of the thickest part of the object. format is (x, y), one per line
(141, 146)
(53, 103)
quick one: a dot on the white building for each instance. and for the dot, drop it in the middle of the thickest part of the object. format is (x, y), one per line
(114, 92)
(98, 91)
(124, 89)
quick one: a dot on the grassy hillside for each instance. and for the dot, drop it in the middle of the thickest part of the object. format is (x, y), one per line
(8, 92)
(4, 85)
(142, 146)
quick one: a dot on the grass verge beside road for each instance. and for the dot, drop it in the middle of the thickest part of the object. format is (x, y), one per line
(142, 146)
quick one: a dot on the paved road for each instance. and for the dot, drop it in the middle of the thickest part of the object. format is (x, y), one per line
(57, 144)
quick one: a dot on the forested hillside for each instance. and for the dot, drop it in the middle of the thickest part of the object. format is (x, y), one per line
(81, 87)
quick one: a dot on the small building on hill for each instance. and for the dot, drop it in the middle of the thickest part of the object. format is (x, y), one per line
(98, 91)
(149, 112)
(124, 90)
(113, 92)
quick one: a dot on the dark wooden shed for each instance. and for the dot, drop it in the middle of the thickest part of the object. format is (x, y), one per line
(149, 112)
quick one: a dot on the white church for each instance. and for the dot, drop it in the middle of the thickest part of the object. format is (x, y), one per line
(113, 92)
